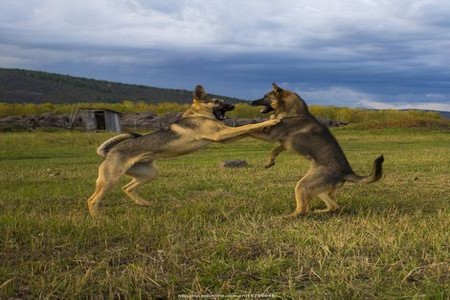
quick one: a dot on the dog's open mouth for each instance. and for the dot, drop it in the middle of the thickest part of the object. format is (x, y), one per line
(220, 111)
(266, 109)
(220, 114)
(264, 103)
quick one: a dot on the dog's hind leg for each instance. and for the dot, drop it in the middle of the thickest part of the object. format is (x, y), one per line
(330, 202)
(273, 155)
(302, 198)
(108, 176)
(141, 173)
(316, 182)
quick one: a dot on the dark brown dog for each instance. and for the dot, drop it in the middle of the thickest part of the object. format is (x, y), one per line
(300, 132)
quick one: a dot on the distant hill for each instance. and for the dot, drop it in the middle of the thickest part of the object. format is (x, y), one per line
(24, 86)
(445, 114)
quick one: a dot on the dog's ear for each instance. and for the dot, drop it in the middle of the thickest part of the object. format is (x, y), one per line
(199, 92)
(276, 88)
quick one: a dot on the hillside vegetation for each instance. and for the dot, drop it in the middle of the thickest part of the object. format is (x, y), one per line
(361, 118)
(32, 93)
(24, 86)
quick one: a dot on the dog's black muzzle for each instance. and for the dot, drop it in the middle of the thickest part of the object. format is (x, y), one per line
(228, 107)
(262, 102)
(220, 111)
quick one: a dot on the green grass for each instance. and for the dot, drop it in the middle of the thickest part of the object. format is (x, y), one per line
(219, 231)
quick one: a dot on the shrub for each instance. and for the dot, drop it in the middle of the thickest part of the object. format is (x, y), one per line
(361, 118)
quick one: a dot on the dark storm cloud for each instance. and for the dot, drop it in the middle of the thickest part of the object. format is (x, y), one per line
(352, 52)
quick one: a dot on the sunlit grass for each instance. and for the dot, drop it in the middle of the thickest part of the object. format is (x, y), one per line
(219, 231)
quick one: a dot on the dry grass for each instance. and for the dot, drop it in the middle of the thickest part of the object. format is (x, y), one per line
(219, 231)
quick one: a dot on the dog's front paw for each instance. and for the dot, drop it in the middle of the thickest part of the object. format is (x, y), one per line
(273, 122)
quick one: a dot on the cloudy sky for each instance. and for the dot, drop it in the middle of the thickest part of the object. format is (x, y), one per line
(364, 53)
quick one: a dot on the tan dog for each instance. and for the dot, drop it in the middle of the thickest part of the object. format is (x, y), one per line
(300, 132)
(135, 155)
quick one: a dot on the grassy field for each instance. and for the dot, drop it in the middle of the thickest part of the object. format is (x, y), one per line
(215, 231)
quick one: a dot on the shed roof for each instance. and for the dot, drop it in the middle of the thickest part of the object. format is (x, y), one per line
(100, 109)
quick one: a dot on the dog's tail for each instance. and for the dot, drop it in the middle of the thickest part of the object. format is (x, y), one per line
(377, 173)
(104, 148)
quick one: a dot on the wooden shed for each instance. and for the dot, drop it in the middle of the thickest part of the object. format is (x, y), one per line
(96, 119)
